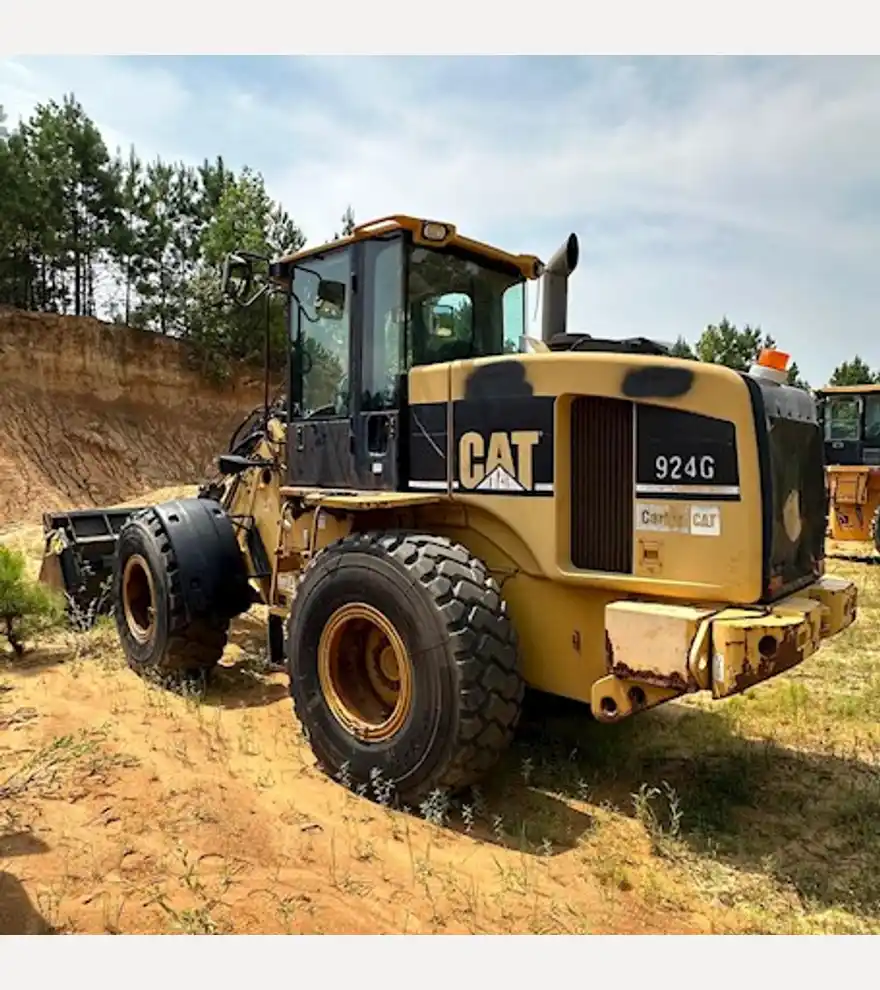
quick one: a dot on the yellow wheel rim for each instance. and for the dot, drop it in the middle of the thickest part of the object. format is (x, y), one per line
(365, 672)
(139, 598)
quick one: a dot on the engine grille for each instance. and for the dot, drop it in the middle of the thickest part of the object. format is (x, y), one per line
(602, 484)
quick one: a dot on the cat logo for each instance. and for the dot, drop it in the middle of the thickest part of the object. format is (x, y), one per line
(502, 463)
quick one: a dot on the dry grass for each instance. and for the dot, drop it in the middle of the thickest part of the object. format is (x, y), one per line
(126, 807)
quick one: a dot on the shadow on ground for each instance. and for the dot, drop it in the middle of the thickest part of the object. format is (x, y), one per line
(33, 661)
(809, 820)
(240, 686)
(18, 916)
(243, 679)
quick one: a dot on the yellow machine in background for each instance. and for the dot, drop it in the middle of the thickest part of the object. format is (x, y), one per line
(850, 418)
(443, 511)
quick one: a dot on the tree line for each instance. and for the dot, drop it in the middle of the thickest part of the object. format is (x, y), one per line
(724, 343)
(88, 233)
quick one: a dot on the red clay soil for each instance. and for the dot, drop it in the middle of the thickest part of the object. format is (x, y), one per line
(94, 413)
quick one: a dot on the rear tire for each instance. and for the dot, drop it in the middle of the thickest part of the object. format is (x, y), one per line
(875, 529)
(447, 634)
(149, 611)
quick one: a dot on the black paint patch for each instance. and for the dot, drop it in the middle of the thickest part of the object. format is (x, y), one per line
(682, 455)
(428, 440)
(519, 426)
(657, 382)
(498, 380)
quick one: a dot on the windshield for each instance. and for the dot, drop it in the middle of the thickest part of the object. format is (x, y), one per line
(842, 418)
(460, 306)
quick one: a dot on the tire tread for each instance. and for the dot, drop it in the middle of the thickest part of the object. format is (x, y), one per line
(484, 645)
(192, 647)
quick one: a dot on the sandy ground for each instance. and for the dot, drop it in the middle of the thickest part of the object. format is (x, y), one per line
(126, 807)
(137, 810)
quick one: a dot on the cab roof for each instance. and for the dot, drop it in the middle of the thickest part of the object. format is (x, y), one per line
(429, 233)
(847, 389)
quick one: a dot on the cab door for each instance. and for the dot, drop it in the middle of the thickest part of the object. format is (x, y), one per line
(347, 371)
(380, 363)
(320, 440)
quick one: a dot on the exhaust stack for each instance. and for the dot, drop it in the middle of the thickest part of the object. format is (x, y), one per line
(554, 311)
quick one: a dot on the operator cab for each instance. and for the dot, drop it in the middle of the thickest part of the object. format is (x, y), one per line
(850, 417)
(396, 294)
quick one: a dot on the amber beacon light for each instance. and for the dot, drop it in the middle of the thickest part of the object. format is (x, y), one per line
(771, 365)
(777, 360)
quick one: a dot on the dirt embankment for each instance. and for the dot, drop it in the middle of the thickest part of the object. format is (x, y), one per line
(92, 414)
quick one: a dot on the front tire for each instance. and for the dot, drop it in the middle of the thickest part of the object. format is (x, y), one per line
(148, 607)
(403, 663)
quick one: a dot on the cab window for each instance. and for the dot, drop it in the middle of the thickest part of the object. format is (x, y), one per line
(384, 322)
(323, 287)
(461, 306)
(842, 418)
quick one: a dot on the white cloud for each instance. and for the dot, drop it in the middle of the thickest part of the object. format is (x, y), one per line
(699, 187)
(129, 101)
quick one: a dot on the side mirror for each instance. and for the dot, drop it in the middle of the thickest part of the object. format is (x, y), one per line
(330, 299)
(238, 277)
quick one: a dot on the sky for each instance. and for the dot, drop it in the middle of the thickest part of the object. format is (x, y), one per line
(699, 187)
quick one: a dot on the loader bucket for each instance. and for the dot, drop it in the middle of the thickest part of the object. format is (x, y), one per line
(78, 553)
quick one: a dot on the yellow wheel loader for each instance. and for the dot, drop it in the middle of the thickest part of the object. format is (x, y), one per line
(850, 418)
(441, 511)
